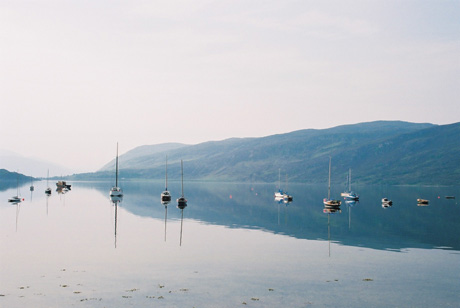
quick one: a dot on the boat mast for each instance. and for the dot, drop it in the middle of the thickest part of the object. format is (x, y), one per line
(279, 179)
(182, 176)
(166, 172)
(116, 169)
(329, 183)
(349, 180)
(17, 189)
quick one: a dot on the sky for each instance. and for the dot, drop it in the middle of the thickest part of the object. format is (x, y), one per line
(76, 77)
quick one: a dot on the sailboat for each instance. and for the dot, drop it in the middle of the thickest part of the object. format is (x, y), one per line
(279, 194)
(32, 188)
(350, 195)
(182, 202)
(48, 190)
(116, 191)
(165, 195)
(330, 202)
(16, 199)
(287, 197)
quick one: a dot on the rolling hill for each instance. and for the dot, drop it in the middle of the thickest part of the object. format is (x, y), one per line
(381, 152)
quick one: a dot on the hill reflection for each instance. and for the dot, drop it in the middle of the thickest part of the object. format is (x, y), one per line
(252, 206)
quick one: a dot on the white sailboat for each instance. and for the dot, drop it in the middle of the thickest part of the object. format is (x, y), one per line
(116, 191)
(279, 194)
(182, 202)
(16, 199)
(350, 195)
(287, 197)
(328, 202)
(48, 189)
(165, 195)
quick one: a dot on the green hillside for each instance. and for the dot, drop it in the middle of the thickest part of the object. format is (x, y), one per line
(10, 179)
(391, 152)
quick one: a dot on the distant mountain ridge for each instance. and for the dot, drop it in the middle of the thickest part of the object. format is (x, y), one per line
(381, 152)
(12, 179)
(29, 165)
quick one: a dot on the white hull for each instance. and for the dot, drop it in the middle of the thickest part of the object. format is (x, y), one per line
(116, 192)
(165, 197)
(279, 195)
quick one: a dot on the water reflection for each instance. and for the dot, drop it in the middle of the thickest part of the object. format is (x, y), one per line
(330, 210)
(18, 208)
(350, 204)
(115, 200)
(250, 207)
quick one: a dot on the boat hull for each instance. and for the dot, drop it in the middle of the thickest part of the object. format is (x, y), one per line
(116, 192)
(331, 203)
(181, 203)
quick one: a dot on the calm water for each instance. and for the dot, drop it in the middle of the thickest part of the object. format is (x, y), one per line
(239, 248)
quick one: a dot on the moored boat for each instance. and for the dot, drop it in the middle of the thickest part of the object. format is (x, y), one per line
(328, 202)
(165, 195)
(116, 191)
(182, 202)
(422, 202)
(386, 202)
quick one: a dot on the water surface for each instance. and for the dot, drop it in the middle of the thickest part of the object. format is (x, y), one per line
(238, 248)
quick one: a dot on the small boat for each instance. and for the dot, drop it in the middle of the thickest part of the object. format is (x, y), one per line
(280, 193)
(287, 197)
(350, 195)
(48, 190)
(422, 202)
(328, 202)
(165, 195)
(32, 188)
(63, 185)
(450, 197)
(16, 199)
(182, 202)
(116, 191)
(386, 202)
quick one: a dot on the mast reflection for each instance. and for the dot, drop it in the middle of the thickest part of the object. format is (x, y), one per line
(115, 200)
(330, 210)
(350, 204)
(165, 203)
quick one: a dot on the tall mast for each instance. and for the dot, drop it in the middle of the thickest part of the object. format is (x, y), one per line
(349, 179)
(116, 169)
(166, 172)
(329, 184)
(279, 179)
(182, 176)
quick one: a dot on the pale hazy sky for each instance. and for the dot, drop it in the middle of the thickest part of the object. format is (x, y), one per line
(78, 76)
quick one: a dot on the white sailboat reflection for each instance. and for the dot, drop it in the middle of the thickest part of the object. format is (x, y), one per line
(115, 200)
(330, 211)
(182, 202)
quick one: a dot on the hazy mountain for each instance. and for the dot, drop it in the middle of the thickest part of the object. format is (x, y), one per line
(140, 155)
(10, 179)
(391, 152)
(29, 165)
